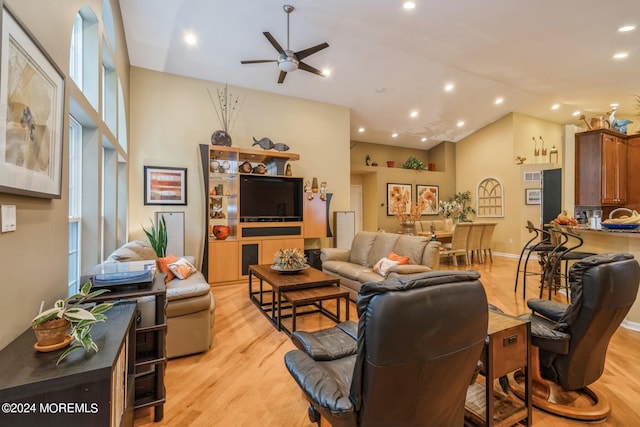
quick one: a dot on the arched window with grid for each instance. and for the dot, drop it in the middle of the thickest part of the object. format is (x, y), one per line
(490, 198)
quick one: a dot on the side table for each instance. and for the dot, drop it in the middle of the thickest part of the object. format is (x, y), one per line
(507, 349)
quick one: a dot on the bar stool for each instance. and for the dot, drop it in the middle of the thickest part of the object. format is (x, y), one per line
(541, 248)
(564, 252)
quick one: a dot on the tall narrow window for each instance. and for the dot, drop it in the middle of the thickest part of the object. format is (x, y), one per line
(75, 57)
(75, 203)
(490, 198)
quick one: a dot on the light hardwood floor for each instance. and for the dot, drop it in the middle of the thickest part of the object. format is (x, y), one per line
(242, 380)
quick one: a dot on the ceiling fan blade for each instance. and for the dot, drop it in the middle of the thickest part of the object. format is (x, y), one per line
(310, 51)
(309, 68)
(258, 61)
(274, 43)
(283, 74)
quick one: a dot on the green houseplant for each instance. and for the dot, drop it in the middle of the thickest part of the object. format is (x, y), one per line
(80, 320)
(414, 163)
(158, 237)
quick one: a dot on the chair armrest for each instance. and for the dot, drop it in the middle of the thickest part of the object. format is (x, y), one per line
(328, 344)
(552, 310)
(334, 254)
(328, 389)
(545, 337)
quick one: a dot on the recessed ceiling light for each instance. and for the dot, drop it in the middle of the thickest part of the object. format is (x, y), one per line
(409, 4)
(413, 114)
(627, 28)
(614, 105)
(190, 38)
(394, 135)
(326, 72)
(423, 139)
(360, 130)
(460, 123)
(449, 87)
(499, 101)
(576, 113)
(555, 106)
(379, 89)
(620, 55)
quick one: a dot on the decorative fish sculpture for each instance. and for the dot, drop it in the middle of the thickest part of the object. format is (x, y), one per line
(279, 146)
(264, 143)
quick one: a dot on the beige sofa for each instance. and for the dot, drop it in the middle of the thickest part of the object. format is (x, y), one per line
(354, 266)
(190, 304)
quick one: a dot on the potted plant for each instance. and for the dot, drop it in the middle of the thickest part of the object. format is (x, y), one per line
(68, 313)
(158, 237)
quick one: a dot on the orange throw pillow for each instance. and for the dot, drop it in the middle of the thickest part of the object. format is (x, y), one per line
(402, 260)
(163, 265)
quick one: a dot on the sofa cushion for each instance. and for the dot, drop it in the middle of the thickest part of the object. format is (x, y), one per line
(402, 259)
(136, 250)
(361, 246)
(411, 246)
(382, 247)
(346, 269)
(382, 267)
(163, 265)
(182, 268)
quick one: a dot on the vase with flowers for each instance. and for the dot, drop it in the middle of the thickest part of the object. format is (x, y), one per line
(457, 207)
(408, 218)
(226, 108)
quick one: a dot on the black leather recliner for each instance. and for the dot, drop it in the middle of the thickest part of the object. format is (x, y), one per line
(409, 359)
(570, 341)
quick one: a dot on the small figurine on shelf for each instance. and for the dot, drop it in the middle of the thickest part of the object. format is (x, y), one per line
(288, 172)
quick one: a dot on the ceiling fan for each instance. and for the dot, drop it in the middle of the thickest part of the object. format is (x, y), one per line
(289, 60)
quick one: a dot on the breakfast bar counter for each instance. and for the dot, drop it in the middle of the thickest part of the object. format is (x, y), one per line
(604, 241)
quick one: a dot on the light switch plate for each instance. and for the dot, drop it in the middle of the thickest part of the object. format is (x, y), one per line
(8, 214)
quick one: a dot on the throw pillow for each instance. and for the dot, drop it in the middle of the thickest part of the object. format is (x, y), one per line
(182, 268)
(402, 260)
(163, 265)
(382, 267)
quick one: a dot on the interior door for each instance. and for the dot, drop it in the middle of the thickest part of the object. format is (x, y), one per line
(356, 205)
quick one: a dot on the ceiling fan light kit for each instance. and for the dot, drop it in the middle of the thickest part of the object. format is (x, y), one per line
(289, 60)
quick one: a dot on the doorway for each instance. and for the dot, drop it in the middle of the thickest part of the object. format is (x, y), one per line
(355, 202)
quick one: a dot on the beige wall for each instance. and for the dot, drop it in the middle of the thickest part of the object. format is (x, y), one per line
(33, 259)
(374, 179)
(172, 115)
(491, 152)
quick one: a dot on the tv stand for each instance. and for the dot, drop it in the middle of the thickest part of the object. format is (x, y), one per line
(251, 240)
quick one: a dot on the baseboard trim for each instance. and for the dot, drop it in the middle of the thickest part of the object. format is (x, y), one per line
(632, 326)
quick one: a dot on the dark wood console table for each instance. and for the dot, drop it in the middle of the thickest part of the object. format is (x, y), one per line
(85, 389)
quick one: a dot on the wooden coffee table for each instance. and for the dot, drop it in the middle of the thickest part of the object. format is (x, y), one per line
(270, 301)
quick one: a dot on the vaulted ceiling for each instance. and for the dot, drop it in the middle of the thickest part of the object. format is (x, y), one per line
(386, 61)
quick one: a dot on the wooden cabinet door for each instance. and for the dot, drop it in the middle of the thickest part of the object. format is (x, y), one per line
(270, 247)
(614, 173)
(224, 262)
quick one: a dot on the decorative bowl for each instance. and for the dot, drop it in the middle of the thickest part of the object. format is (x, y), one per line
(289, 270)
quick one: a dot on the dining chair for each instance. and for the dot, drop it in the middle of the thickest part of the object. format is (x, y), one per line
(458, 245)
(474, 242)
(487, 238)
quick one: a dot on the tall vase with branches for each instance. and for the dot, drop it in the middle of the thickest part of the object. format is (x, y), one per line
(226, 106)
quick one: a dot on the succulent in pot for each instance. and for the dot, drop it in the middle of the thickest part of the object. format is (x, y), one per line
(69, 313)
(290, 259)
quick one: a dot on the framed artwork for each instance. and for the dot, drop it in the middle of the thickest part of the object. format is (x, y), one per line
(165, 186)
(32, 99)
(532, 196)
(398, 194)
(430, 195)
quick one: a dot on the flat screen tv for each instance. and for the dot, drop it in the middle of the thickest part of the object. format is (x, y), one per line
(270, 198)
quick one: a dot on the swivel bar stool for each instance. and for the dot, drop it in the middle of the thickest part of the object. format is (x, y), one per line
(564, 252)
(543, 247)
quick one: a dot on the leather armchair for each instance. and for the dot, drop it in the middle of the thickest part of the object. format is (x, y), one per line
(570, 341)
(408, 360)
